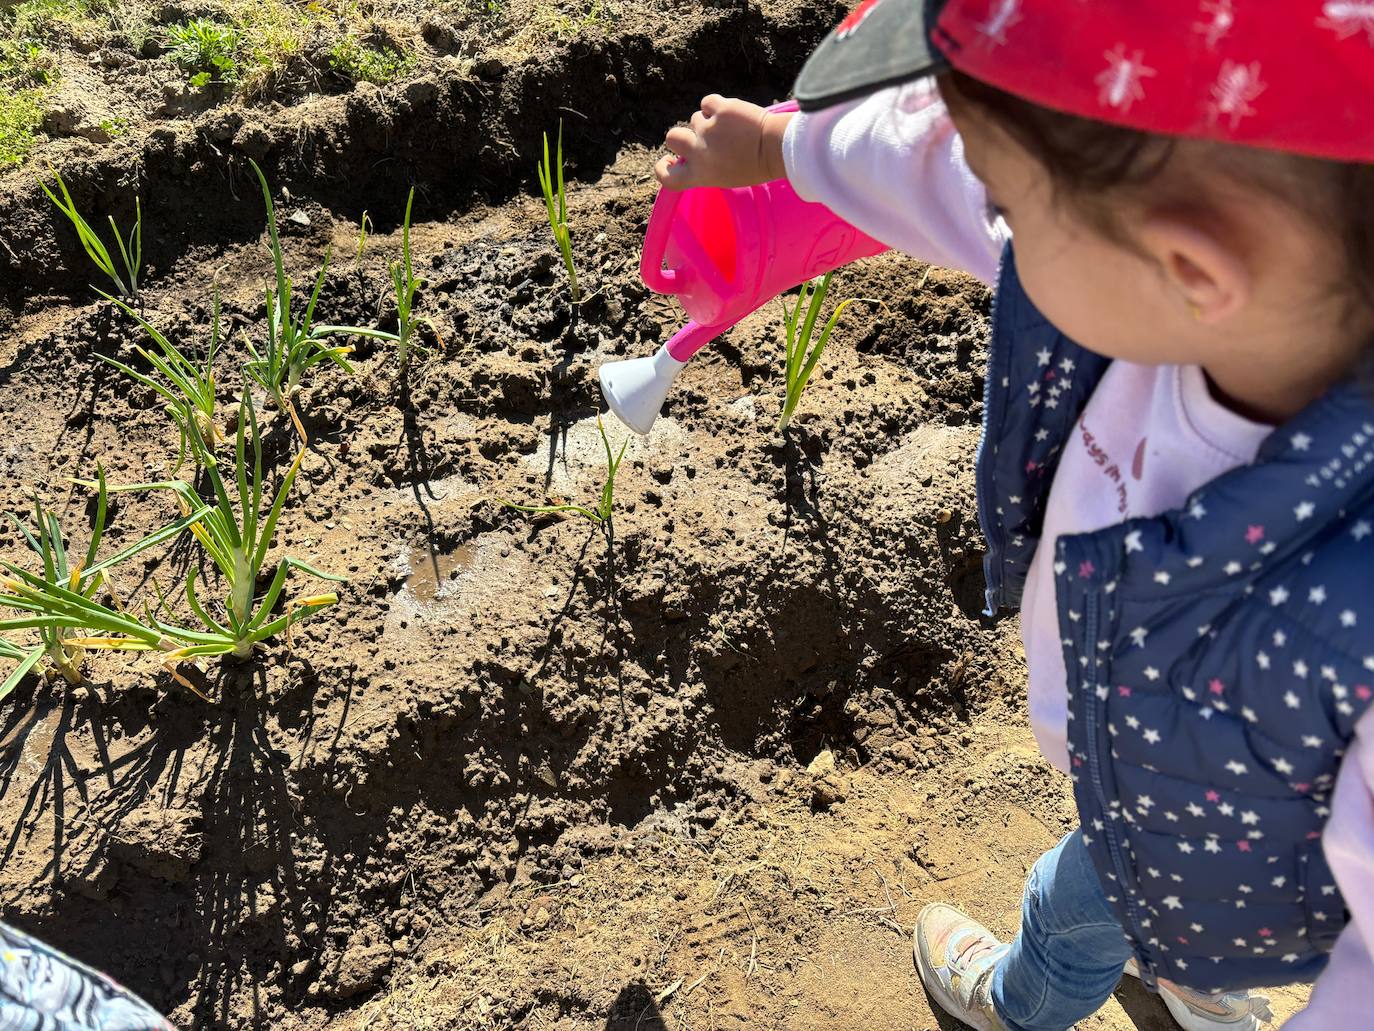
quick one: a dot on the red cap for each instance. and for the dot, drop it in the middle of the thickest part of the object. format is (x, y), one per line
(1290, 75)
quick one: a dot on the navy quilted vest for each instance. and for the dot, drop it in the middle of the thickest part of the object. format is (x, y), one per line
(1219, 657)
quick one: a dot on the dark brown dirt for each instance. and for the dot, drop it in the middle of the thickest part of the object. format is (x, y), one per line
(465, 130)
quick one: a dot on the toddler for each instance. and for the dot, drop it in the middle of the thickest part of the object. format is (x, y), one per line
(1175, 203)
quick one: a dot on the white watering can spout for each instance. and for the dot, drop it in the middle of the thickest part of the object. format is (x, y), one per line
(636, 389)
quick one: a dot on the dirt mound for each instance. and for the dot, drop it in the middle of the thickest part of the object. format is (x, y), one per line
(465, 130)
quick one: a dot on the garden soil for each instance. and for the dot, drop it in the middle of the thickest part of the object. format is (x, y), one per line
(697, 769)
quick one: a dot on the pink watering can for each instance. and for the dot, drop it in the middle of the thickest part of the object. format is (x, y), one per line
(725, 254)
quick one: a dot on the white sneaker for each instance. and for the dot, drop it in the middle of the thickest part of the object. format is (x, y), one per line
(1202, 1011)
(956, 956)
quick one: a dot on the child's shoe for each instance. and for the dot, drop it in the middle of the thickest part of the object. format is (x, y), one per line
(956, 957)
(1201, 1011)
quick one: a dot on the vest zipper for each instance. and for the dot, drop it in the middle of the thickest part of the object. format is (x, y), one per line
(993, 396)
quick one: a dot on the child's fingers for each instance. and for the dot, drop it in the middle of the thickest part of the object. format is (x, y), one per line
(698, 122)
(680, 140)
(672, 172)
(711, 104)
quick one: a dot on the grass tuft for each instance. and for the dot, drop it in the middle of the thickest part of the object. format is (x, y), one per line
(360, 62)
(21, 114)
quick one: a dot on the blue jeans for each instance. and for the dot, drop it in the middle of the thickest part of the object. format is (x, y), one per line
(1068, 955)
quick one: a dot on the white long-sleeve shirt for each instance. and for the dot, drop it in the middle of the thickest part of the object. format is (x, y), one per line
(892, 165)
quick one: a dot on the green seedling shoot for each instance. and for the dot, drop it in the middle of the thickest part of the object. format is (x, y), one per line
(601, 514)
(130, 248)
(236, 536)
(60, 602)
(26, 660)
(801, 356)
(407, 284)
(294, 346)
(556, 200)
(187, 386)
(364, 227)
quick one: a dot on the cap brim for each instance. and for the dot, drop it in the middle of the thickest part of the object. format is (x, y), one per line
(891, 43)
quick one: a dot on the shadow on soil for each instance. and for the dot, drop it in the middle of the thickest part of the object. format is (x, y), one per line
(635, 1010)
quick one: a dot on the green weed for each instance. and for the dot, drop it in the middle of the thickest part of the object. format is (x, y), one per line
(361, 63)
(553, 19)
(21, 114)
(50, 20)
(205, 48)
(24, 63)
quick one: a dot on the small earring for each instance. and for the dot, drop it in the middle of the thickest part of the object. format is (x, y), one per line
(1195, 310)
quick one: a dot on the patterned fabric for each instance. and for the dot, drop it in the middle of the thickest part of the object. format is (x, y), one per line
(43, 990)
(1216, 664)
(1211, 69)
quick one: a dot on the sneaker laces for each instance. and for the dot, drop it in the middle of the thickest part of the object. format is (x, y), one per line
(978, 956)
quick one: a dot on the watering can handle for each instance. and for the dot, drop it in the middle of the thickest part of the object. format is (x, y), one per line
(651, 270)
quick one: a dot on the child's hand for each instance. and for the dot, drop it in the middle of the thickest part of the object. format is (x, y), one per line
(730, 143)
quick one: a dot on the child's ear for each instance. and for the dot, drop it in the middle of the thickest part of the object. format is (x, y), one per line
(1206, 270)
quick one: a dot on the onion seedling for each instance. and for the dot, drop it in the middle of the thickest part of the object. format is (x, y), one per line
(60, 601)
(189, 388)
(237, 536)
(801, 355)
(556, 200)
(294, 346)
(406, 283)
(601, 514)
(130, 249)
(364, 226)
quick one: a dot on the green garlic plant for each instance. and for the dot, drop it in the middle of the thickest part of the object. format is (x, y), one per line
(237, 535)
(556, 201)
(294, 346)
(406, 285)
(187, 386)
(25, 660)
(605, 506)
(60, 601)
(801, 355)
(130, 248)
